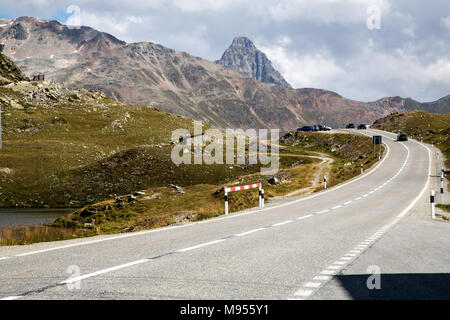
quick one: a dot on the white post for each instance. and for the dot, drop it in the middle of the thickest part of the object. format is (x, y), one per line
(379, 156)
(442, 181)
(362, 170)
(262, 197)
(226, 201)
(325, 182)
(432, 204)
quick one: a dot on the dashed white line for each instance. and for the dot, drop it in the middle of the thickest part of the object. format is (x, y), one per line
(11, 298)
(328, 272)
(348, 202)
(322, 278)
(281, 223)
(365, 195)
(200, 245)
(337, 207)
(96, 273)
(248, 232)
(346, 258)
(323, 211)
(303, 293)
(312, 284)
(356, 199)
(4, 258)
(332, 267)
(304, 217)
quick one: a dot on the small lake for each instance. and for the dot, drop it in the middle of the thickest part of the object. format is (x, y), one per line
(35, 216)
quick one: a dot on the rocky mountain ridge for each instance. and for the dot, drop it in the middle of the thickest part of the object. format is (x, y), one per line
(150, 74)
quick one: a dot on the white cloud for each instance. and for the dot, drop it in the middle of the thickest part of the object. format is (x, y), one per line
(369, 76)
(203, 5)
(307, 70)
(326, 11)
(446, 22)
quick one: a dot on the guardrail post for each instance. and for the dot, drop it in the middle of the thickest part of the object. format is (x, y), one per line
(442, 180)
(262, 197)
(325, 182)
(226, 201)
(432, 204)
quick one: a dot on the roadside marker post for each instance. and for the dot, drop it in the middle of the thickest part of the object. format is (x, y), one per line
(362, 170)
(226, 201)
(325, 182)
(250, 186)
(432, 204)
(442, 181)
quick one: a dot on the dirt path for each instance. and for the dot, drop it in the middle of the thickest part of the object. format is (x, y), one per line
(324, 167)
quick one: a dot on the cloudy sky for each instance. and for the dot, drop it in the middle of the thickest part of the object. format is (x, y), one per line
(362, 49)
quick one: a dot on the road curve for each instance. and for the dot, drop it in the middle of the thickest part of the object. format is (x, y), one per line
(287, 250)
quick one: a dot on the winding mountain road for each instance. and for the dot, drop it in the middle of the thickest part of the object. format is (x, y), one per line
(291, 249)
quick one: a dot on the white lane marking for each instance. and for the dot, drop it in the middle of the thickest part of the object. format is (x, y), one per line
(336, 207)
(370, 192)
(356, 199)
(304, 217)
(248, 232)
(411, 205)
(322, 278)
(4, 258)
(11, 298)
(348, 202)
(201, 245)
(312, 284)
(334, 267)
(329, 272)
(365, 195)
(96, 273)
(323, 211)
(281, 223)
(340, 262)
(350, 255)
(346, 258)
(355, 251)
(303, 293)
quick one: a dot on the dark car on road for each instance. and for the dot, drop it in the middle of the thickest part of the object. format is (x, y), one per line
(350, 126)
(362, 126)
(308, 128)
(402, 137)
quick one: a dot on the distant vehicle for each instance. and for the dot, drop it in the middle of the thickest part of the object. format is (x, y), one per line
(308, 128)
(350, 126)
(362, 126)
(402, 137)
(324, 128)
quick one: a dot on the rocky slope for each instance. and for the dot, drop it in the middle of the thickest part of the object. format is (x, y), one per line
(242, 56)
(9, 72)
(150, 74)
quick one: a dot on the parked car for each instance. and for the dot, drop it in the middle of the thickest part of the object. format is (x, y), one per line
(308, 128)
(402, 137)
(324, 128)
(362, 126)
(350, 126)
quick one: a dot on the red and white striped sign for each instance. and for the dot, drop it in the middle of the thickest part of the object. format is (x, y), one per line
(239, 188)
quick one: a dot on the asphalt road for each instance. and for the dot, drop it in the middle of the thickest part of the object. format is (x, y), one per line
(294, 248)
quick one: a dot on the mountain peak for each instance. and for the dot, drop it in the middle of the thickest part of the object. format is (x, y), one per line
(242, 56)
